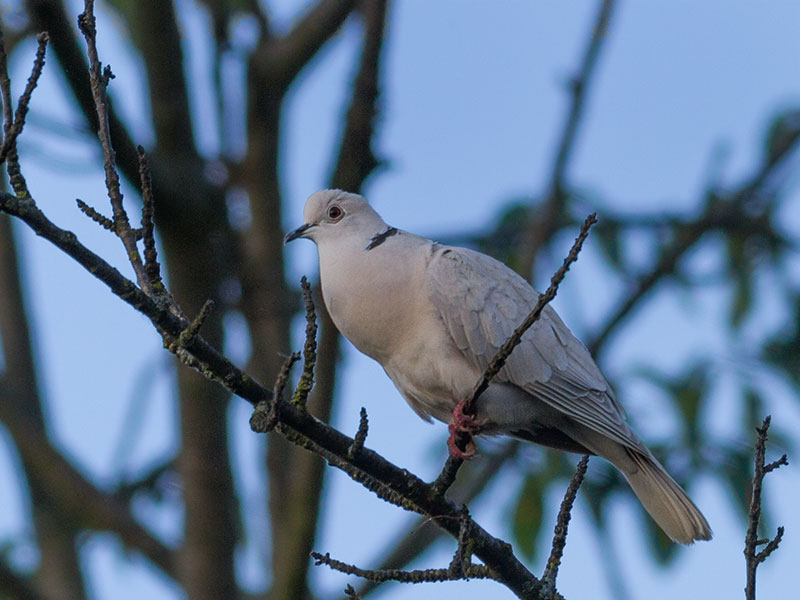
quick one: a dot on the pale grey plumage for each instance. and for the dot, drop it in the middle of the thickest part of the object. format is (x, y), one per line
(481, 302)
(434, 316)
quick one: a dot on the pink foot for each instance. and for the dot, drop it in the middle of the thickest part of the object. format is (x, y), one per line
(464, 426)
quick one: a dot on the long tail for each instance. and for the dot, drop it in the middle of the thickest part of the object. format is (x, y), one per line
(666, 501)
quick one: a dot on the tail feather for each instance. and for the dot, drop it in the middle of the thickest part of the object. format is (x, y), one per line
(666, 501)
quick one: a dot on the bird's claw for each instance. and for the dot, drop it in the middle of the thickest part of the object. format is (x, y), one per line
(456, 452)
(465, 426)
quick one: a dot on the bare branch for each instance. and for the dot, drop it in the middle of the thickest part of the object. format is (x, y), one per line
(191, 332)
(99, 78)
(286, 56)
(562, 523)
(447, 477)
(5, 89)
(15, 586)
(53, 18)
(199, 354)
(361, 435)
(370, 469)
(417, 576)
(95, 216)
(421, 534)
(76, 499)
(152, 268)
(283, 376)
(722, 214)
(547, 218)
(350, 592)
(356, 159)
(12, 130)
(158, 39)
(752, 557)
(309, 349)
(265, 414)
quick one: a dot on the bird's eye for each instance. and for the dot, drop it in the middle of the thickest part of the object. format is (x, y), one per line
(335, 213)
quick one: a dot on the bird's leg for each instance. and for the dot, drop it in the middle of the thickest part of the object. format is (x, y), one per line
(464, 425)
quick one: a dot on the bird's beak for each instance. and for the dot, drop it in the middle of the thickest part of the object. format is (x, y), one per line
(300, 232)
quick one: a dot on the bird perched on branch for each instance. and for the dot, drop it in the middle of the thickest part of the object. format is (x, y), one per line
(434, 316)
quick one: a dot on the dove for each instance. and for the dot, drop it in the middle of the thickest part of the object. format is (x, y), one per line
(433, 316)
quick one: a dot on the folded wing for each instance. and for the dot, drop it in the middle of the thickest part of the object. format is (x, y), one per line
(481, 302)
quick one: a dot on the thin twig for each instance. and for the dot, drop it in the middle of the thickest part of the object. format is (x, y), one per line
(306, 381)
(189, 335)
(367, 479)
(448, 475)
(151, 267)
(752, 557)
(462, 558)
(416, 576)
(419, 536)
(99, 78)
(562, 524)
(361, 435)
(95, 216)
(12, 130)
(351, 593)
(5, 88)
(8, 153)
(265, 413)
(283, 376)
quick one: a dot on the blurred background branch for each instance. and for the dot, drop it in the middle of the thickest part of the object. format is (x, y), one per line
(223, 139)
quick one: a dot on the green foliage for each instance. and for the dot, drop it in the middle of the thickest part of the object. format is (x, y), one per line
(738, 474)
(783, 133)
(527, 520)
(554, 473)
(750, 240)
(688, 391)
(607, 233)
(663, 549)
(741, 273)
(504, 239)
(783, 351)
(602, 482)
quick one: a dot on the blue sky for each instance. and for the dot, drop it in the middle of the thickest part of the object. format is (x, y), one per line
(473, 103)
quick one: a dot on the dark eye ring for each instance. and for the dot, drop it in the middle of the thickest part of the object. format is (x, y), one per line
(335, 213)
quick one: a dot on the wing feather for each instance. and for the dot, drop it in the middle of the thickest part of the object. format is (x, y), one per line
(481, 302)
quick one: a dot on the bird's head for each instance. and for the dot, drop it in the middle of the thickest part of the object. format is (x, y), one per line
(335, 214)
